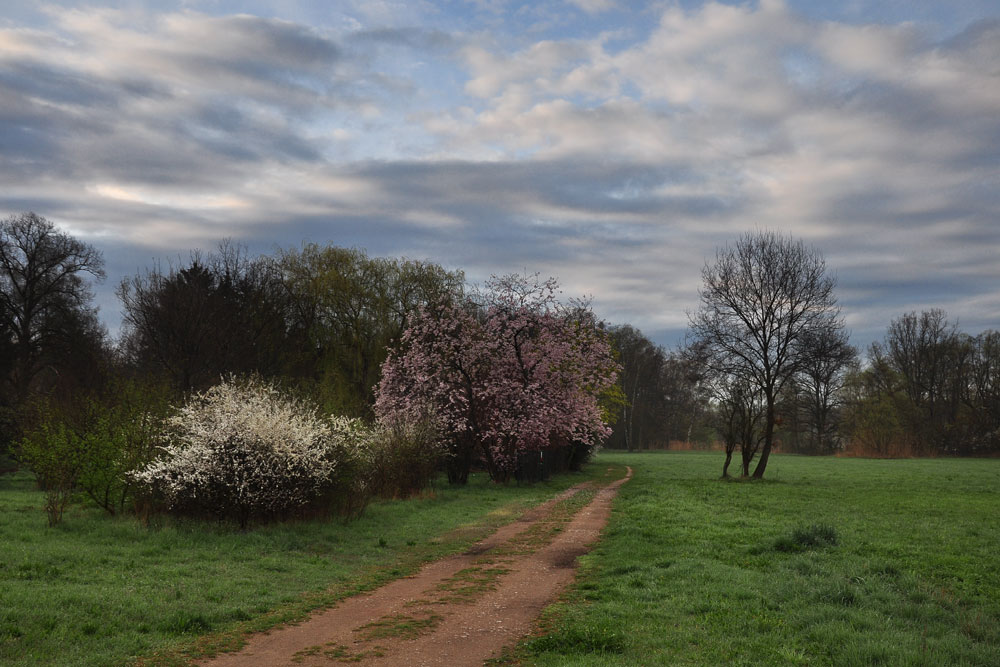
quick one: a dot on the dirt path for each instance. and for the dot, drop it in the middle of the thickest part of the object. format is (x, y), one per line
(460, 610)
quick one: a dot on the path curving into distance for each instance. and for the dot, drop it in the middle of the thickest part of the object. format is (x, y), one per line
(460, 610)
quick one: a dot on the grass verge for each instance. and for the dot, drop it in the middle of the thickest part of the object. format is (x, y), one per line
(828, 562)
(97, 590)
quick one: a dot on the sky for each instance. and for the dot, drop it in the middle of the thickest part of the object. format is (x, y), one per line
(614, 145)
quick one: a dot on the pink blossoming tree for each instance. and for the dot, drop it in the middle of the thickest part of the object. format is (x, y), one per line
(513, 371)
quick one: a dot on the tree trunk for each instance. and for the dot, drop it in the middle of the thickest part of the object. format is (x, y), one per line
(758, 472)
(459, 464)
(725, 466)
(625, 425)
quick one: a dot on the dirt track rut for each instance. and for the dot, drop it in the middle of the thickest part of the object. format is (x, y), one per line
(459, 610)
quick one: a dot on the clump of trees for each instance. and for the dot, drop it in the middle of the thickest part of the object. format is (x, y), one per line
(244, 387)
(929, 389)
(663, 396)
(779, 367)
(214, 315)
(766, 303)
(812, 406)
(321, 317)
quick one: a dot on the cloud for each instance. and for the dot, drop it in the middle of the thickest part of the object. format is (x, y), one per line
(593, 6)
(617, 161)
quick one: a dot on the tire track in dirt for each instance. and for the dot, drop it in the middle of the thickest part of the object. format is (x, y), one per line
(460, 610)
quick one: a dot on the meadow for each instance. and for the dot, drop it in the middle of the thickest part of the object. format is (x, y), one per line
(829, 561)
(100, 590)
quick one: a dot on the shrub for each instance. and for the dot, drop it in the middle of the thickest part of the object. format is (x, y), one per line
(242, 450)
(53, 453)
(90, 443)
(352, 447)
(405, 457)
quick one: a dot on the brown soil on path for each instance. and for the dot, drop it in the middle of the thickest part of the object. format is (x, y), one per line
(459, 610)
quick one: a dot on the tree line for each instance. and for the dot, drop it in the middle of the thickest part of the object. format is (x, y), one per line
(432, 372)
(768, 362)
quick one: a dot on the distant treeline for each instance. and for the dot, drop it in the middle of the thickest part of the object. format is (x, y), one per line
(926, 389)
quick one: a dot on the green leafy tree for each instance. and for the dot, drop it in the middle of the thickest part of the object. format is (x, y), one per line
(346, 310)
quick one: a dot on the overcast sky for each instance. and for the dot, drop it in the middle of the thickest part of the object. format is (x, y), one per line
(612, 144)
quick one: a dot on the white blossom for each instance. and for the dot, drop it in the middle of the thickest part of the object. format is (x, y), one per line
(243, 450)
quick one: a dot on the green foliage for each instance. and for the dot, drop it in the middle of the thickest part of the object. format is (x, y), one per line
(611, 402)
(90, 443)
(347, 310)
(687, 572)
(404, 459)
(54, 454)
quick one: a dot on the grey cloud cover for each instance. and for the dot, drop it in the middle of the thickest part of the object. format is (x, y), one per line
(613, 148)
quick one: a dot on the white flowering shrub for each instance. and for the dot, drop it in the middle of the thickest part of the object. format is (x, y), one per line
(243, 450)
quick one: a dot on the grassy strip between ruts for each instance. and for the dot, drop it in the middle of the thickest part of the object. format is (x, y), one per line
(102, 591)
(462, 588)
(829, 561)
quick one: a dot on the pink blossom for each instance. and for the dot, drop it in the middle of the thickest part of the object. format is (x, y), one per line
(516, 371)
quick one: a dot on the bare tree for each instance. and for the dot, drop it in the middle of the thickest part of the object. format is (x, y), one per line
(41, 290)
(821, 382)
(740, 418)
(933, 364)
(762, 300)
(224, 313)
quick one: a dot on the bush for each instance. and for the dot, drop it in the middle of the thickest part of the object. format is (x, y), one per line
(404, 458)
(244, 451)
(352, 446)
(53, 453)
(90, 443)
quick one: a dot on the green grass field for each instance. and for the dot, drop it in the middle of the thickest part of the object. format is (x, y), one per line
(829, 561)
(696, 570)
(99, 591)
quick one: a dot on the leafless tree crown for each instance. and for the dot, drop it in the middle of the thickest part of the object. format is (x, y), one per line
(764, 302)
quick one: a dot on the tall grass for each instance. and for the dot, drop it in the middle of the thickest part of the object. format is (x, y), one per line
(828, 562)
